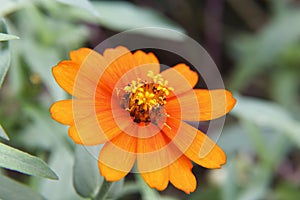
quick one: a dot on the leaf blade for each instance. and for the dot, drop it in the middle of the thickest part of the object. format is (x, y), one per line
(6, 37)
(86, 184)
(268, 114)
(132, 16)
(3, 133)
(4, 54)
(85, 4)
(10, 189)
(17, 160)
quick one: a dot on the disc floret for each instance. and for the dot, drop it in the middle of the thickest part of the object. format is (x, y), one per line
(145, 100)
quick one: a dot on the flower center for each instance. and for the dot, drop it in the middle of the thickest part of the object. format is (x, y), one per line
(145, 101)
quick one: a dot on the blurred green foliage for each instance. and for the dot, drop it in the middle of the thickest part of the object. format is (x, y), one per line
(261, 138)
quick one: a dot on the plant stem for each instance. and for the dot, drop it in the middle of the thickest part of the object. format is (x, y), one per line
(103, 191)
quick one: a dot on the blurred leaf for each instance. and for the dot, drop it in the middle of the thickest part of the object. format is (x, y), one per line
(86, 176)
(230, 188)
(280, 7)
(254, 192)
(4, 64)
(8, 6)
(236, 135)
(167, 198)
(285, 83)
(211, 193)
(4, 54)
(263, 139)
(287, 191)
(22, 162)
(3, 133)
(255, 135)
(146, 192)
(5, 37)
(258, 183)
(85, 4)
(129, 188)
(254, 180)
(42, 62)
(265, 47)
(12, 190)
(115, 189)
(15, 76)
(47, 31)
(71, 36)
(122, 16)
(61, 160)
(267, 114)
(42, 122)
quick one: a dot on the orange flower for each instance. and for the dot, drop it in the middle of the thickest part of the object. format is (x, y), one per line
(123, 100)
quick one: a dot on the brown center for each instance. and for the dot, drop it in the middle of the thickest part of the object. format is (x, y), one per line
(145, 101)
(146, 104)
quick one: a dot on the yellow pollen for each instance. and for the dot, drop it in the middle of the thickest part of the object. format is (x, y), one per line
(145, 100)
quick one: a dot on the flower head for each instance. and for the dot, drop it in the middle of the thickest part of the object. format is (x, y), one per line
(123, 100)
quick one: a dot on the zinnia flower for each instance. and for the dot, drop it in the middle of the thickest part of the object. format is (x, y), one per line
(123, 100)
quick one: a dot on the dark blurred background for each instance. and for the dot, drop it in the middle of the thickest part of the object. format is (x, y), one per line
(255, 44)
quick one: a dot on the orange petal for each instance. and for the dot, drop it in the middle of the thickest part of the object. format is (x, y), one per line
(181, 78)
(80, 55)
(174, 107)
(158, 179)
(61, 111)
(155, 148)
(98, 128)
(75, 79)
(153, 159)
(88, 137)
(142, 58)
(145, 62)
(124, 67)
(181, 175)
(117, 157)
(212, 104)
(119, 62)
(79, 77)
(194, 144)
(65, 73)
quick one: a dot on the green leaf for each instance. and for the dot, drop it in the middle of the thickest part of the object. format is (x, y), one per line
(229, 190)
(86, 176)
(145, 190)
(45, 58)
(4, 64)
(287, 190)
(261, 51)
(286, 87)
(10, 189)
(85, 4)
(23, 162)
(122, 16)
(3, 133)
(4, 54)
(8, 6)
(267, 114)
(61, 160)
(128, 189)
(115, 189)
(211, 193)
(42, 122)
(5, 37)
(236, 135)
